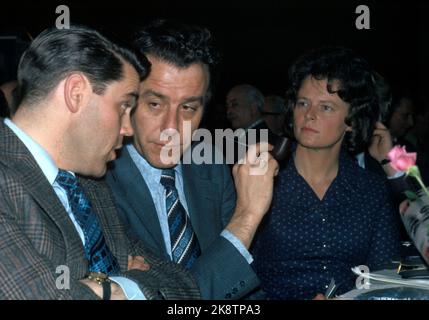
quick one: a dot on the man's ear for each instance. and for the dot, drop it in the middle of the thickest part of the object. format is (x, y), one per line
(77, 91)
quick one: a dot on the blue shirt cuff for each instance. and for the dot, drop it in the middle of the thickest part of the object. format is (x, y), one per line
(396, 175)
(130, 288)
(237, 243)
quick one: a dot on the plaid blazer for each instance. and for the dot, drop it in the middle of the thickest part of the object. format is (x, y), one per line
(37, 236)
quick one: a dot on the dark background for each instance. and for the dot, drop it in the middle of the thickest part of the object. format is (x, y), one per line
(257, 40)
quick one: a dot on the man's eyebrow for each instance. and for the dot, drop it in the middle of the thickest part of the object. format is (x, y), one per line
(133, 94)
(153, 93)
(149, 93)
(199, 99)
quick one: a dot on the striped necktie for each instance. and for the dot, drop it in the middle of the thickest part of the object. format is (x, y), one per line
(100, 257)
(185, 248)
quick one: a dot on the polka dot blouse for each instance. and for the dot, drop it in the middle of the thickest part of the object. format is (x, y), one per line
(304, 242)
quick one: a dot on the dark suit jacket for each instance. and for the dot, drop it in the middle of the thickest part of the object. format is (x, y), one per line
(221, 271)
(37, 236)
(396, 185)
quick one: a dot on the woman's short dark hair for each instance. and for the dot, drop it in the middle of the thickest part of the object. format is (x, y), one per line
(56, 53)
(177, 43)
(356, 87)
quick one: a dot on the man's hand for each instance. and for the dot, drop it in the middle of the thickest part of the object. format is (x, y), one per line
(137, 262)
(381, 142)
(116, 290)
(254, 184)
(404, 206)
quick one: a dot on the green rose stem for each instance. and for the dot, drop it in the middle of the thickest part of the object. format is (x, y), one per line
(414, 172)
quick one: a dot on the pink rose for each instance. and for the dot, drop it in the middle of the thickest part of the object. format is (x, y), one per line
(400, 159)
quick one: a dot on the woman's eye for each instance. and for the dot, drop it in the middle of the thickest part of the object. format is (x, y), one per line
(327, 108)
(301, 104)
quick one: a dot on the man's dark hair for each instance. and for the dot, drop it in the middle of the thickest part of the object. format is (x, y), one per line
(177, 43)
(356, 87)
(399, 93)
(56, 53)
(4, 107)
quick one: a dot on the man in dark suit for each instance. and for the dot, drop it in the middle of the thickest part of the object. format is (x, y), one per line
(245, 111)
(60, 236)
(219, 225)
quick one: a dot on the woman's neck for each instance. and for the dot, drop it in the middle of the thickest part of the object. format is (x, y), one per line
(318, 167)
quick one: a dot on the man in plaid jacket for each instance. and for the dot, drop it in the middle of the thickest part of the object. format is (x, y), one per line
(75, 93)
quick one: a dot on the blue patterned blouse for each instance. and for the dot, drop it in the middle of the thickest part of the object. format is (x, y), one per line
(304, 242)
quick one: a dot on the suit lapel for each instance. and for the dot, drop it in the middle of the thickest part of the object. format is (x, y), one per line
(139, 198)
(19, 159)
(200, 198)
(107, 215)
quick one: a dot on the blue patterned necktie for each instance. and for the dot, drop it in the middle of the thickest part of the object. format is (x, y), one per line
(185, 248)
(98, 254)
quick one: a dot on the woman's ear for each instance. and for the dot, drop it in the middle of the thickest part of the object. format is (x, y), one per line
(76, 91)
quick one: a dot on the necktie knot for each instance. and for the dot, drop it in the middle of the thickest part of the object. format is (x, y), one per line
(168, 178)
(66, 179)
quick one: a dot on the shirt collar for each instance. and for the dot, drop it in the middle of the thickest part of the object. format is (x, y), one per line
(152, 174)
(342, 187)
(43, 159)
(360, 158)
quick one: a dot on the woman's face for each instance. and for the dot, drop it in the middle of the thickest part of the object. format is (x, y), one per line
(319, 115)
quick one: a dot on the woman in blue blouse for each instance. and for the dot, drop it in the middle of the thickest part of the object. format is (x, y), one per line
(328, 215)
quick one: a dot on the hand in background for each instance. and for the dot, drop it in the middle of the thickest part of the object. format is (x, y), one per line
(116, 290)
(381, 142)
(137, 262)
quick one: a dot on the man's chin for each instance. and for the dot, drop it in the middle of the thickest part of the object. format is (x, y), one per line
(94, 174)
(160, 163)
(164, 160)
(100, 172)
(163, 165)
